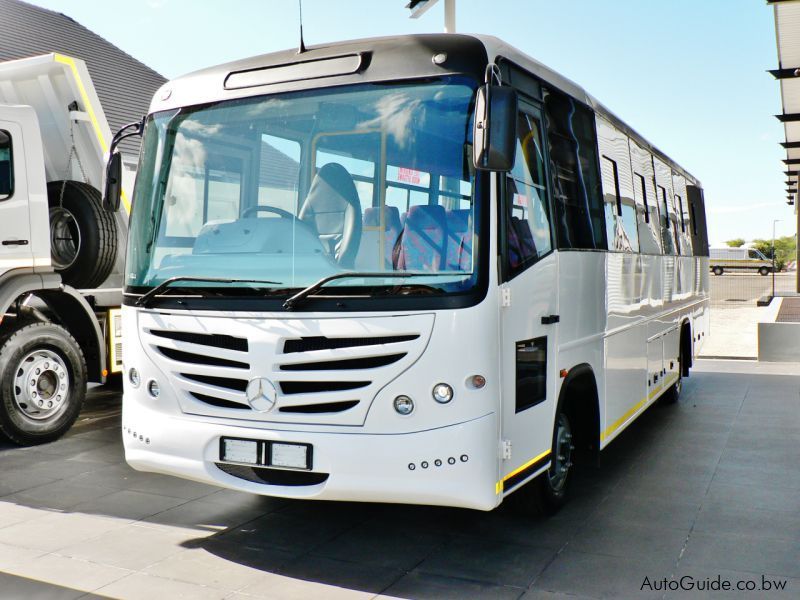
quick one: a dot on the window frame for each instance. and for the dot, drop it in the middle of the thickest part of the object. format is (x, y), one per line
(11, 177)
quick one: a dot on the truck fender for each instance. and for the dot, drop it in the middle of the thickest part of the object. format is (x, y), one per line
(17, 282)
(73, 312)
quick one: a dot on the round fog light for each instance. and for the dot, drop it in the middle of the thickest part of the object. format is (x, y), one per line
(133, 377)
(476, 382)
(403, 405)
(442, 393)
(153, 389)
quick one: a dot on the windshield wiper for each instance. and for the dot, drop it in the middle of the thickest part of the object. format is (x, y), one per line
(145, 299)
(291, 303)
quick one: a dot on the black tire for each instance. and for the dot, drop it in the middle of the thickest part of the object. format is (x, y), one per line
(718, 270)
(47, 358)
(549, 492)
(763, 271)
(83, 236)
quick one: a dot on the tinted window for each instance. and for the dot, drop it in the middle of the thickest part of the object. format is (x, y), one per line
(526, 218)
(667, 233)
(577, 197)
(6, 166)
(620, 217)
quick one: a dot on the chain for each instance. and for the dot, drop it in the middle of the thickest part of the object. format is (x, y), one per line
(73, 152)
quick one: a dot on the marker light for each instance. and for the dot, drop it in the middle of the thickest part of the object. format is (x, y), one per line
(403, 405)
(153, 389)
(133, 377)
(476, 382)
(442, 393)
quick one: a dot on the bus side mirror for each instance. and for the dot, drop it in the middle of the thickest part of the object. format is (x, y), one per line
(113, 186)
(495, 130)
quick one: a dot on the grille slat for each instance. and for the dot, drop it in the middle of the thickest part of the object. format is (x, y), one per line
(367, 362)
(310, 344)
(239, 385)
(200, 359)
(310, 387)
(218, 402)
(217, 340)
(326, 407)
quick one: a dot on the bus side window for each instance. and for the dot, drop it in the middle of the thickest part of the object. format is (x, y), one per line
(525, 212)
(6, 166)
(577, 197)
(667, 234)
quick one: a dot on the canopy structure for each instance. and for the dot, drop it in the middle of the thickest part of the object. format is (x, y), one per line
(787, 36)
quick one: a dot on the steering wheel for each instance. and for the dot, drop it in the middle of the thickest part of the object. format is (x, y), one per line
(278, 211)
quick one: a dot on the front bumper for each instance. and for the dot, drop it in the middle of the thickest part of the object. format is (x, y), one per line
(361, 467)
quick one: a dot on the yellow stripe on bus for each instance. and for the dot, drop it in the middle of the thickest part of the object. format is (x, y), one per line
(66, 60)
(499, 486)
(669, 380)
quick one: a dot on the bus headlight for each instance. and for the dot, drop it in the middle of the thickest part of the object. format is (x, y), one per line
(133, 377)
(153, 388)
(442, 393)
(403, 405)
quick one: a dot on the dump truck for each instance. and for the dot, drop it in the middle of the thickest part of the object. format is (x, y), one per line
(60, 258)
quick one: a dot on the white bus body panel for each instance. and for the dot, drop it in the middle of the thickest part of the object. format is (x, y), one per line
(367, 452)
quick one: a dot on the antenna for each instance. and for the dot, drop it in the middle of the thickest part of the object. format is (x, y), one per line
(302, 47)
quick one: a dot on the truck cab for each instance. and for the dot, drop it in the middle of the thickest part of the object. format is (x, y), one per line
(60, 269)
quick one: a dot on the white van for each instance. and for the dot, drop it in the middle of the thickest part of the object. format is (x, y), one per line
(730, 259)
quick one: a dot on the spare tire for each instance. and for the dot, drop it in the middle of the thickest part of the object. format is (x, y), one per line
(83, 236)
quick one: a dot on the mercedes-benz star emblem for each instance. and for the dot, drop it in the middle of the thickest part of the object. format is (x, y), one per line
(261, 394)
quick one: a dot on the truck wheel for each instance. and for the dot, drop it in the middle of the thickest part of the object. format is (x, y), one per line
(83, 237)
(42, 383)
(763, 271)
(717, 270)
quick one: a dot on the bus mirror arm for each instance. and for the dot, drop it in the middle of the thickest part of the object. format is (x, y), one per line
(495, 129)
(112, 188)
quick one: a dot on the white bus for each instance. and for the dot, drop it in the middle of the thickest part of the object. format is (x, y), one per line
(327, 299)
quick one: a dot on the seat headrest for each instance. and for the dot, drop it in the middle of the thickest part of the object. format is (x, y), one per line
(426, 216)
(391, 218)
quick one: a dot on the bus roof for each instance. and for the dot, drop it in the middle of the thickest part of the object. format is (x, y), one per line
(381, 59)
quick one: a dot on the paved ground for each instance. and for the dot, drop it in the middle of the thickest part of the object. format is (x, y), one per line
(737, 289)
(708, 487)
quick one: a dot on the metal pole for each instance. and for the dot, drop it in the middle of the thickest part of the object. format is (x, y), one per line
(449, 16)
(773, 255)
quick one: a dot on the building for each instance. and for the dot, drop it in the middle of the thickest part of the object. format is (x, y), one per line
(125, 85)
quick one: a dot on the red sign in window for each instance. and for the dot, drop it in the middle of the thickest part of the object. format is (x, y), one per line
(409, 175)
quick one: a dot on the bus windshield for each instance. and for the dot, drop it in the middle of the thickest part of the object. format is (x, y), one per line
(296, 187)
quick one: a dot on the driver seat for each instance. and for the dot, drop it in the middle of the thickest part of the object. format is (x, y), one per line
(333, 209)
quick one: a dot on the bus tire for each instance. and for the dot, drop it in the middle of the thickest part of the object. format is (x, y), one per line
(718, 270)
(763, 271)
(42, 383)
(83, 236)
(549, 492)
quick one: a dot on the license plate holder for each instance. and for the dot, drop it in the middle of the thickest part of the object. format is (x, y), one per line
(296, 456)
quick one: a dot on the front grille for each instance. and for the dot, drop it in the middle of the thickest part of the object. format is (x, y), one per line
(239, 385)
(325, 371)
(273, 476)
(201, 359)
(311, 387)
(371, 362)
(310, 344)
(205, 339)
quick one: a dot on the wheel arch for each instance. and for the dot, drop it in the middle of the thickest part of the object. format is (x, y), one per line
(73, 312)
(580, 398)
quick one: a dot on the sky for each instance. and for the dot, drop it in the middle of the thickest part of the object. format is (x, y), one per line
(689, 75)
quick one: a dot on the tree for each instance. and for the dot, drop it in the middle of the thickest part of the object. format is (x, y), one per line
(737, 243)
(785, 249)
